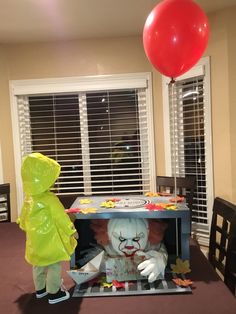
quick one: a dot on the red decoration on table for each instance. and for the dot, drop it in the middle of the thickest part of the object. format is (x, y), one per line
(73, 210)
(153, 206)
(113, 200)
(121, 285)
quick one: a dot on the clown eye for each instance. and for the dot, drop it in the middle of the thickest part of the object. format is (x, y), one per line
(136, 239)
(122, 239)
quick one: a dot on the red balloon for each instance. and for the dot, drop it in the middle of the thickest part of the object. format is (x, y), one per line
(175, 36)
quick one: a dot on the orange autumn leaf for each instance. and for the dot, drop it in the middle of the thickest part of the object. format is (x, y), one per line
(178, 199)
(182, 282)
(152, 194)
(164, 194)
(114, 200)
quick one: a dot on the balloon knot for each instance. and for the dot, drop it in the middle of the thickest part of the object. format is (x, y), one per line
(172, 81)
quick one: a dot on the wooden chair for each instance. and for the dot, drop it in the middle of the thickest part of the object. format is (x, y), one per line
(222, 248)
(5, 204)
(185, 187)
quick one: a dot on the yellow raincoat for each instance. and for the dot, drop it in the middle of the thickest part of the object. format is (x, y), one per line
(49, 230)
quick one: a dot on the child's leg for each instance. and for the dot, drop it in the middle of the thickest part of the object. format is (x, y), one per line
(54, 277)
(39, 277)
(56, 294)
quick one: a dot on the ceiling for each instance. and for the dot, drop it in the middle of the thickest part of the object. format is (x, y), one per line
(52, 20)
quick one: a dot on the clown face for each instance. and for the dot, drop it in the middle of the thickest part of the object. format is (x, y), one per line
(128, 235)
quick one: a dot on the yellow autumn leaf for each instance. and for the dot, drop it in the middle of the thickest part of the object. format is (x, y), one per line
(108, 204)
(181, 267)
(152, 194)
(85, 201)
(171, 207)
(104, 283)
(107, 284)
(88, 210)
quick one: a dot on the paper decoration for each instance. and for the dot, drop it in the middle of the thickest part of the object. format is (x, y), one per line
(88, 271)
(123, 268)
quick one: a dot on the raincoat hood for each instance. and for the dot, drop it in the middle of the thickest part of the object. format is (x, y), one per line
(38, 173)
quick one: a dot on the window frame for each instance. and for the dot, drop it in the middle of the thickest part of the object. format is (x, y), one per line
(202, 67)
(78, 84)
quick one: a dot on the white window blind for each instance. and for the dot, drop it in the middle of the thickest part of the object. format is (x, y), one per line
(101, 138)
(190, 142)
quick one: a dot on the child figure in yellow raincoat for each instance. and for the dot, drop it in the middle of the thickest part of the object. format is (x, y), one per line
(49, 231)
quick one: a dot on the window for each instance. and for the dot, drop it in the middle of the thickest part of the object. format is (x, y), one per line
(188, 134)
(99, 129)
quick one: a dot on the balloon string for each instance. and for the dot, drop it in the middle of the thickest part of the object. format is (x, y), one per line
(172, 85)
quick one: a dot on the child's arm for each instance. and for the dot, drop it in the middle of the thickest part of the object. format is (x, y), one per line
(58, 214)
(25, 211)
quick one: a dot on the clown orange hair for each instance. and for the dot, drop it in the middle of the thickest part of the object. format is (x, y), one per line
(99, 227)
(156, 230)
